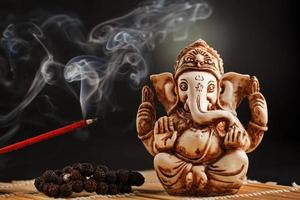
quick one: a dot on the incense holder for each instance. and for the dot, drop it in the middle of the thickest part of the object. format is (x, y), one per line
(200, 147)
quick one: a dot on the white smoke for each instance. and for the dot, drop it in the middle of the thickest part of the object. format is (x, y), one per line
(127, 41)
(117, 47)
(42, 76)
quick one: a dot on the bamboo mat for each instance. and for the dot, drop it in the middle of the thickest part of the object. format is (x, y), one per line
(25, 190)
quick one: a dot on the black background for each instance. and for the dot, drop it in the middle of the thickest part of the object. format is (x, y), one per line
(261, 40)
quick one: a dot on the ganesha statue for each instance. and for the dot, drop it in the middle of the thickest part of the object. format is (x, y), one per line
(200, 147)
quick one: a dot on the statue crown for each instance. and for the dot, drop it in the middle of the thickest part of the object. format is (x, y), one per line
(199, 56)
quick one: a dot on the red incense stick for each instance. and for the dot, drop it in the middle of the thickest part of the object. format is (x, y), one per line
(46, 136)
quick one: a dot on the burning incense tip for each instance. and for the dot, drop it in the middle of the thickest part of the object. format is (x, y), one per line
(47, 135)
(90, 121)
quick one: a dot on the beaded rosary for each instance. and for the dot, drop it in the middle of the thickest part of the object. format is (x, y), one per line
(88, 177)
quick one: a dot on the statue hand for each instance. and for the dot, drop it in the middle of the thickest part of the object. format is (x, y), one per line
(164, 134)
(236, 138)
(253, 86)
(146, 113)
(257, 103)
(258, 107)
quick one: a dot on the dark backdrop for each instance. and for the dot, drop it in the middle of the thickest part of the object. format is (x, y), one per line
(254, 37)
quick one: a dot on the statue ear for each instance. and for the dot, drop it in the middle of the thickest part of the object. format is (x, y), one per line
(164, 85)
(233, 90)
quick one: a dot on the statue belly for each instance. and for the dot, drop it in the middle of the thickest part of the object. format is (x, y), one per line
(198, 146)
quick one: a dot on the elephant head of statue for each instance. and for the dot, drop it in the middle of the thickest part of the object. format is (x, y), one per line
(200, 87)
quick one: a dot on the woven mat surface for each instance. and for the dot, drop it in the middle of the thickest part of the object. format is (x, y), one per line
(25, 190)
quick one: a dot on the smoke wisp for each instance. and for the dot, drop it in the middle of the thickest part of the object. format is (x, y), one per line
(119, 47)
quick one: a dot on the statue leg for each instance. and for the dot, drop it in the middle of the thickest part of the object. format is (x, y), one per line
(228, 173)
(174, 173)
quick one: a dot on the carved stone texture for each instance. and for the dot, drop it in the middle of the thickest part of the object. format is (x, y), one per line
(200, 146)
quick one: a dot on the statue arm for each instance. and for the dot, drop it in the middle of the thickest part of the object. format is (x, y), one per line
(259, 114)
(249, 139)
(259, 118)
(157, 136)
(145, 119)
